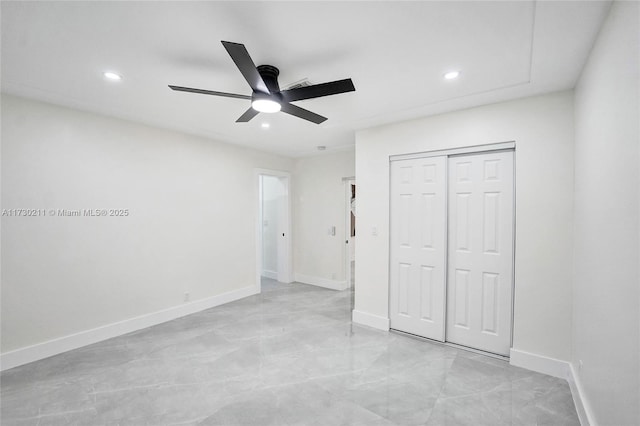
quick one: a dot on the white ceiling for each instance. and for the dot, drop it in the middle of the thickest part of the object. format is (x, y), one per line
(395, 52)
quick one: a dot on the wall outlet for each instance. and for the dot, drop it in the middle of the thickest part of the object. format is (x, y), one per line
(580, 365)
(374, 231)
(187, 296)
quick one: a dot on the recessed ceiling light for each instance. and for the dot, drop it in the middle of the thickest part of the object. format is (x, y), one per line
(109, 75)
(265, 125)
(451, 75)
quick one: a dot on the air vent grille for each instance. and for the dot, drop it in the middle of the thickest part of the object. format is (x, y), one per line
(300, 83)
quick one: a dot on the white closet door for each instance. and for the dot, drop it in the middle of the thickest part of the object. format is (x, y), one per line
(418, 250)
(480, 272)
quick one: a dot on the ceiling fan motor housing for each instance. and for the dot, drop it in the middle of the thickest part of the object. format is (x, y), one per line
(269, 75)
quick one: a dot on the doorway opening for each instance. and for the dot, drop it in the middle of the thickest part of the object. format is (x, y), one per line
(273, 229)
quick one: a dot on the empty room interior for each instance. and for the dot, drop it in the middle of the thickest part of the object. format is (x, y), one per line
(320, 213)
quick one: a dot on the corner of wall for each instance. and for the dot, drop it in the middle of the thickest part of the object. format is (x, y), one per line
(562, 370)
(539, 363)
(583, 408)
(370, 320)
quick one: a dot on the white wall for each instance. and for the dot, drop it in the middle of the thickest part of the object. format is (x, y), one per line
(319, 204)
(272, 191)
(542, 128)
(606, 278)
(191, 226)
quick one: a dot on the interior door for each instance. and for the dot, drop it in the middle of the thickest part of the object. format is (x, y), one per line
(418, 250)
(480, 271)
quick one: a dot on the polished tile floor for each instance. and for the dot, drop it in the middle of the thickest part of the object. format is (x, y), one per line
(289, 356)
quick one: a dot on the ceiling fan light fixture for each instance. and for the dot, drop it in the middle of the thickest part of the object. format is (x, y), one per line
(265, 105)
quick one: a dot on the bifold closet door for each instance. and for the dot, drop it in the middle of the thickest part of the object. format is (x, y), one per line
(480, 260)
(418, 246)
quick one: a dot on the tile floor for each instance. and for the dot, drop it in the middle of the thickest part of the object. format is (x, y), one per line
(289, 356)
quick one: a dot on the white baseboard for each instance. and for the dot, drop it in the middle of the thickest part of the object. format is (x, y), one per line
(321, 282)
(370, 320)
(270, 274)
(539, 363)
(585, 413)
(49, 348)
(561, 369)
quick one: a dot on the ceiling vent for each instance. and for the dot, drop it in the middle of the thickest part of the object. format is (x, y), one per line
(300, 83)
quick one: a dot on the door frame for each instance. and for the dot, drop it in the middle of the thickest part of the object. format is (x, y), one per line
(347, 227)
(285, 262)
(448, 152)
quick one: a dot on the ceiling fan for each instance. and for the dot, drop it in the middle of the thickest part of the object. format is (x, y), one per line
(267, 96)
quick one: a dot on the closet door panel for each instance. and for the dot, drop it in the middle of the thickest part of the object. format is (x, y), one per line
(480, 253)
(418, 246)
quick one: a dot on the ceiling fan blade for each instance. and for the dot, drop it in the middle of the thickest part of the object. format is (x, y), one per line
(318, 90)
(246, 66)
(248, 115)
(208, 92)
(302, 113)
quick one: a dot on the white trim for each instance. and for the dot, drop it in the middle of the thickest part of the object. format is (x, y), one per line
(270, 274)
(474, 149)
(49, 348)
(583, 408)
(539, 363)
(321, 282)
(563, 370)
(370, 320)
(347, 230)
(258, 230)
